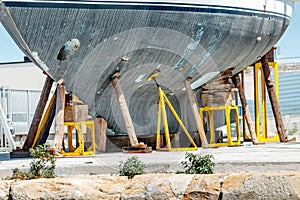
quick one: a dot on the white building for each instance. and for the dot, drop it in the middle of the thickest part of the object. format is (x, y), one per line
(21, 75)
(20, 88)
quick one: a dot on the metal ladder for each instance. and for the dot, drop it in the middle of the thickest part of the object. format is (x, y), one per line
(7, 143)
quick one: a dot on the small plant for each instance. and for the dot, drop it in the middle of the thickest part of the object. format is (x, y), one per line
(18, 174)
(292, 131)
(131, 167)
(43, 164)
(198, 164)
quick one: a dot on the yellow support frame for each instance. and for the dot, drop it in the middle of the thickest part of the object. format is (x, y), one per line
(162, 113)
(80, 127)
(227, 109)
(262, 135)
(245, 136)
(43, 122)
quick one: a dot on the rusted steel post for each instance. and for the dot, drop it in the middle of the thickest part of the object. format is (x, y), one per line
(196, 114)
(246, 112)
(59, 118)
(125, 112)
(273, 99)
(38, 113)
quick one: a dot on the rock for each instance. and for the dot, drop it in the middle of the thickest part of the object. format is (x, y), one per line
(179, 183)
(295, 182)
(204, 187)
(259, 186)
(157, 196)
(4, 189)
(80, 187)
(158, 187)
(148, 186)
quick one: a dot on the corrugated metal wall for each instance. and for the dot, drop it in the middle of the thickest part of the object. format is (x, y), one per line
(289, 92)
(289, 101)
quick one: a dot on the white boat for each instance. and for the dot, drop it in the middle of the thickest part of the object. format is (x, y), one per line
(85, 41)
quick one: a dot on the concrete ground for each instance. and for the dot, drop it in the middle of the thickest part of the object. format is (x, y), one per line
(279, 157)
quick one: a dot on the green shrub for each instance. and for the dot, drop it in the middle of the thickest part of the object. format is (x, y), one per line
(131, 167)
(292, 131)
(18, 174)
(198, 164)
(43, 164)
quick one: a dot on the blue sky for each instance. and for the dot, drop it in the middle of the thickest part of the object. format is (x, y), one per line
(288, 46)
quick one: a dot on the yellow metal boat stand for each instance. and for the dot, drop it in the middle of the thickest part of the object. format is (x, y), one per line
(230, 128)
(84, 138)
(162, 113)
(261, 124)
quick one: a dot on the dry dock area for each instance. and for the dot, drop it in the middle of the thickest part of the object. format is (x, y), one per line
(279, 157)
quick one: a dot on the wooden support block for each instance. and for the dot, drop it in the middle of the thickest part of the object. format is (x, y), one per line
(140, 145)
(73, 99)
(217, 86)
(59, 118)
(76, 113)
(100, 134)
(219, 91)
(137, 149)
(217, 98)
(174, 139)
(225, 75)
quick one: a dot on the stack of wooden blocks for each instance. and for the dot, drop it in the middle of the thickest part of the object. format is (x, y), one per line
(220, 91)
(75, 109)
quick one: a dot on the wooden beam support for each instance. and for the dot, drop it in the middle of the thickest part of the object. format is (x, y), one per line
(59, 118)
(46, 129)
(273, 99)
(195, 110)
(100, 134)
(38, 113)
(125, 112)
(237, 82)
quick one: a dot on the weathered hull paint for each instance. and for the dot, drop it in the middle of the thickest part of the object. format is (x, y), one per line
(182, 40)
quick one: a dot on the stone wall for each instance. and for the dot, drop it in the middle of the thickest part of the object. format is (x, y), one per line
(158, 186)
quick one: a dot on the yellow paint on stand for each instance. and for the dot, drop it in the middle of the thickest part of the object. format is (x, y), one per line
(259, 85)
(80, 148)
(227, 109)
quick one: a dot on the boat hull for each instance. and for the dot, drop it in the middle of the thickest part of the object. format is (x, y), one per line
(182, 41)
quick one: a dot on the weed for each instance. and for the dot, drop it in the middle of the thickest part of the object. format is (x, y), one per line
(198, 164)
(131, 167)
(43, 164)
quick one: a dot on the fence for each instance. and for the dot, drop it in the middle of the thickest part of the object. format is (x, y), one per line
(19, 107)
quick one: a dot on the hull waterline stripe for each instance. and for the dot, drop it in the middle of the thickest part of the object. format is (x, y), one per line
(166, 6)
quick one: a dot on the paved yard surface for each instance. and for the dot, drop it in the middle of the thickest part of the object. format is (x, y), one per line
(248, 158)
